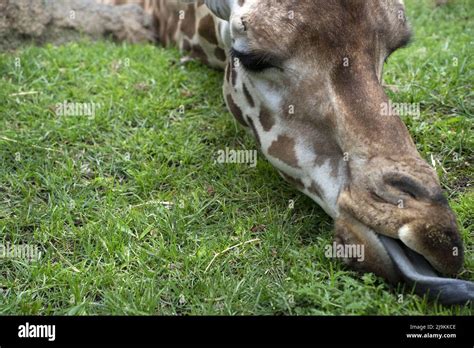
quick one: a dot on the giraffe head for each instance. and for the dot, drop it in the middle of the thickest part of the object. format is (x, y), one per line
(305, 77)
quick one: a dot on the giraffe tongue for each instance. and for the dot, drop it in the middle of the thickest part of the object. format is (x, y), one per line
(416, 271)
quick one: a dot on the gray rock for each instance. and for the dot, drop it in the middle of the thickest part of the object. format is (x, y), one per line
(60, 21)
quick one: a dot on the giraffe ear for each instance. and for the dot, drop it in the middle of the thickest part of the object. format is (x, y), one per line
(221, 8)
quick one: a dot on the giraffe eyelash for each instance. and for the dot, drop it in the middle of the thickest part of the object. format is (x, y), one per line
(252, 61)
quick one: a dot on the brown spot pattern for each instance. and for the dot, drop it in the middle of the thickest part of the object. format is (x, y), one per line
(207, 29)
(234, 73)
(252, 125)
(227, 72)
(220, 54)
(266, 119)
(235, 110)
(188, 24)
(284, 149)
(248, 96)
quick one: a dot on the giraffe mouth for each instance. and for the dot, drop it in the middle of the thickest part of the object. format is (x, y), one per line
(417, 272)
(405, 246)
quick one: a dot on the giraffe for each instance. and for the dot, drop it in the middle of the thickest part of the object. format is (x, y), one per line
(305, 78)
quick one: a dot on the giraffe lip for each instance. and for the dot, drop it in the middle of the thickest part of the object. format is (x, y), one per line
(416, 270)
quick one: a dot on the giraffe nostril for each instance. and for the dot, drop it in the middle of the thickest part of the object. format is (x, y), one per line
(407, 185)
(244, 25)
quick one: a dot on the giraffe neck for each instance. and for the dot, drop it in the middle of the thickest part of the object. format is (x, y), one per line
(192, 28)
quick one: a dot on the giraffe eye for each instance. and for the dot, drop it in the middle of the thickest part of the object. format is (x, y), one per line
(252, 61)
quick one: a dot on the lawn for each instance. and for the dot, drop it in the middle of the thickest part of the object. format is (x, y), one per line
(133, 216)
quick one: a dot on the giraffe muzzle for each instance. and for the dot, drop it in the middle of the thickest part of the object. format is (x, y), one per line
(416, 242)
(418, 272)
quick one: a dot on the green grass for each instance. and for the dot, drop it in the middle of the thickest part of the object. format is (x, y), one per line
(87, 190)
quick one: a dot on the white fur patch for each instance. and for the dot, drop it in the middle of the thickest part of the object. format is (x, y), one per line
(329, 185)
(405, 234)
